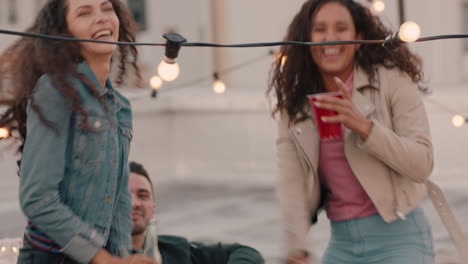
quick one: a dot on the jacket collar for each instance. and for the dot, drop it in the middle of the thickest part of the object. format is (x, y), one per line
(84, 68)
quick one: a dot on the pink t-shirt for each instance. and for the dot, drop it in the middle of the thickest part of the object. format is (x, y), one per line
(345, 197)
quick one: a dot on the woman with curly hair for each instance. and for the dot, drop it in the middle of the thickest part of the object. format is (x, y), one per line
(75, 130)
(370, 182)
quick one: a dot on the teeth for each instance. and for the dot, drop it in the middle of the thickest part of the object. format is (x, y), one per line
(103, 33)
(331, 51)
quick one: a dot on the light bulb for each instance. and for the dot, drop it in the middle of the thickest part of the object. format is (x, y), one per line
(458, 121)
(281, 57)
(156, 82)
(14, 249)
(3, 249)
(378, 6)
(219, 87)
(4, 133)
(409, 32)
(168, 71)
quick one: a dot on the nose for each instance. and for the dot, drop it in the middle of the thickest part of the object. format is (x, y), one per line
(330, 35)
(101, 18)
(135, 202)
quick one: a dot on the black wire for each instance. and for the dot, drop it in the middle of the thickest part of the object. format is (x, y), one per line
(245, 45)
(35, 35)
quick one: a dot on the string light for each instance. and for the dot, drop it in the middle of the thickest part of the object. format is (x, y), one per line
(378, 6)
(409, 32)
(459, 121)
(4, 133)
(156, 83)
(168, 69)
(219, 86)
(282, 58)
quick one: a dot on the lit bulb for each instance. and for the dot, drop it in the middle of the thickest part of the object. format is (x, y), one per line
(14, 249)
(219, 87)
(168, 71)
(283, 58)
(156, 82)
(4, 133)
(409, 32)
(3, 249)
(458, 121)
(378, 6)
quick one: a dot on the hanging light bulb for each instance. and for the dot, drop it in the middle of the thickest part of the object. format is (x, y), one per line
(378, 6)
(156, 83)
(219, 86)
(458, 121)
(409, 32)
(4, 133)
(282, 58)
(168, 70)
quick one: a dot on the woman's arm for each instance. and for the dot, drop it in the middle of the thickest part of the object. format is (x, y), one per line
(291, 192)
(407, 148)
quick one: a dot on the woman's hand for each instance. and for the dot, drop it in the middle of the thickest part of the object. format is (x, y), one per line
(348, 114)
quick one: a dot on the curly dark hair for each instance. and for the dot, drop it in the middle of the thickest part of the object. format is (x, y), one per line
(300, 76)
(24, 62)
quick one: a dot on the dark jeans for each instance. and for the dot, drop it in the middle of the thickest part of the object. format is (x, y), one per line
(31, 255)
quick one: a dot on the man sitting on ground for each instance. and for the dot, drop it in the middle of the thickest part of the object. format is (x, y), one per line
(175, 249)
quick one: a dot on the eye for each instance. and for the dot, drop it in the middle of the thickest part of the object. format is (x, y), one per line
(318, 29)
(83, 13)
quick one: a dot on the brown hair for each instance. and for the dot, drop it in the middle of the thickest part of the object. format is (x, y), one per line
(299, 76)
(57, 59)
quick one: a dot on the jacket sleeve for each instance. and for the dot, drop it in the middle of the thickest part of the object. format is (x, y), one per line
(291, 192)
(407, 149)
(225, 254)
(121, 226)
(42, 171)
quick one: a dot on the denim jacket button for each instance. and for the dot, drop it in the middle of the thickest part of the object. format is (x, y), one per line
(97, 124)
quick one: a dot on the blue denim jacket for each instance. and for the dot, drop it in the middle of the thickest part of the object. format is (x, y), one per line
(74, 183)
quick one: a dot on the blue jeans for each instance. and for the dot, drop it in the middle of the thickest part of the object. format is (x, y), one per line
(371, 240)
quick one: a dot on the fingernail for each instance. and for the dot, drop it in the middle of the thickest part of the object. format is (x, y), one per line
(324, 119)
(317, 104)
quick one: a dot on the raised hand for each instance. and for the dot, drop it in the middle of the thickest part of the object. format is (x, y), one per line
(348, 114)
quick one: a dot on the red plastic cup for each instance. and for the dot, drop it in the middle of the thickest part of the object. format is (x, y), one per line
(327, 131)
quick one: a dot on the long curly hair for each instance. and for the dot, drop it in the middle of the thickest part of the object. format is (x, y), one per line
(24, 62)
(300, 76)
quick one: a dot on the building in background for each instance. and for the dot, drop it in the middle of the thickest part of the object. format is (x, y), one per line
(241, 21)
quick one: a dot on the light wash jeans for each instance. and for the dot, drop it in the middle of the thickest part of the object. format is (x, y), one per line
(370, 240)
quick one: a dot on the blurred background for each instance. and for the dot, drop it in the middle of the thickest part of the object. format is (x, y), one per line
(211, 152)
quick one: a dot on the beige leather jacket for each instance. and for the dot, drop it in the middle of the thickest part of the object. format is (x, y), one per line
(392, 165)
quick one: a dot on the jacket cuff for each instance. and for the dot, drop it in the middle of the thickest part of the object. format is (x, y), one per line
(372, 138)
(82, 249)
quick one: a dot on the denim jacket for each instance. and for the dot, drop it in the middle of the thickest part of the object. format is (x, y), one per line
(73, 182)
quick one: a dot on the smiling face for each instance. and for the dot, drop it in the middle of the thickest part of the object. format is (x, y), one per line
(143, 205)
(333, 22)
(93, 19)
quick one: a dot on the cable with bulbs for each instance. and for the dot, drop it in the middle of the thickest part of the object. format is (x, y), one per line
(169, 70)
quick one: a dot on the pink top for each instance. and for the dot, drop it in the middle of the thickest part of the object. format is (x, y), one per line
(345, 197)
